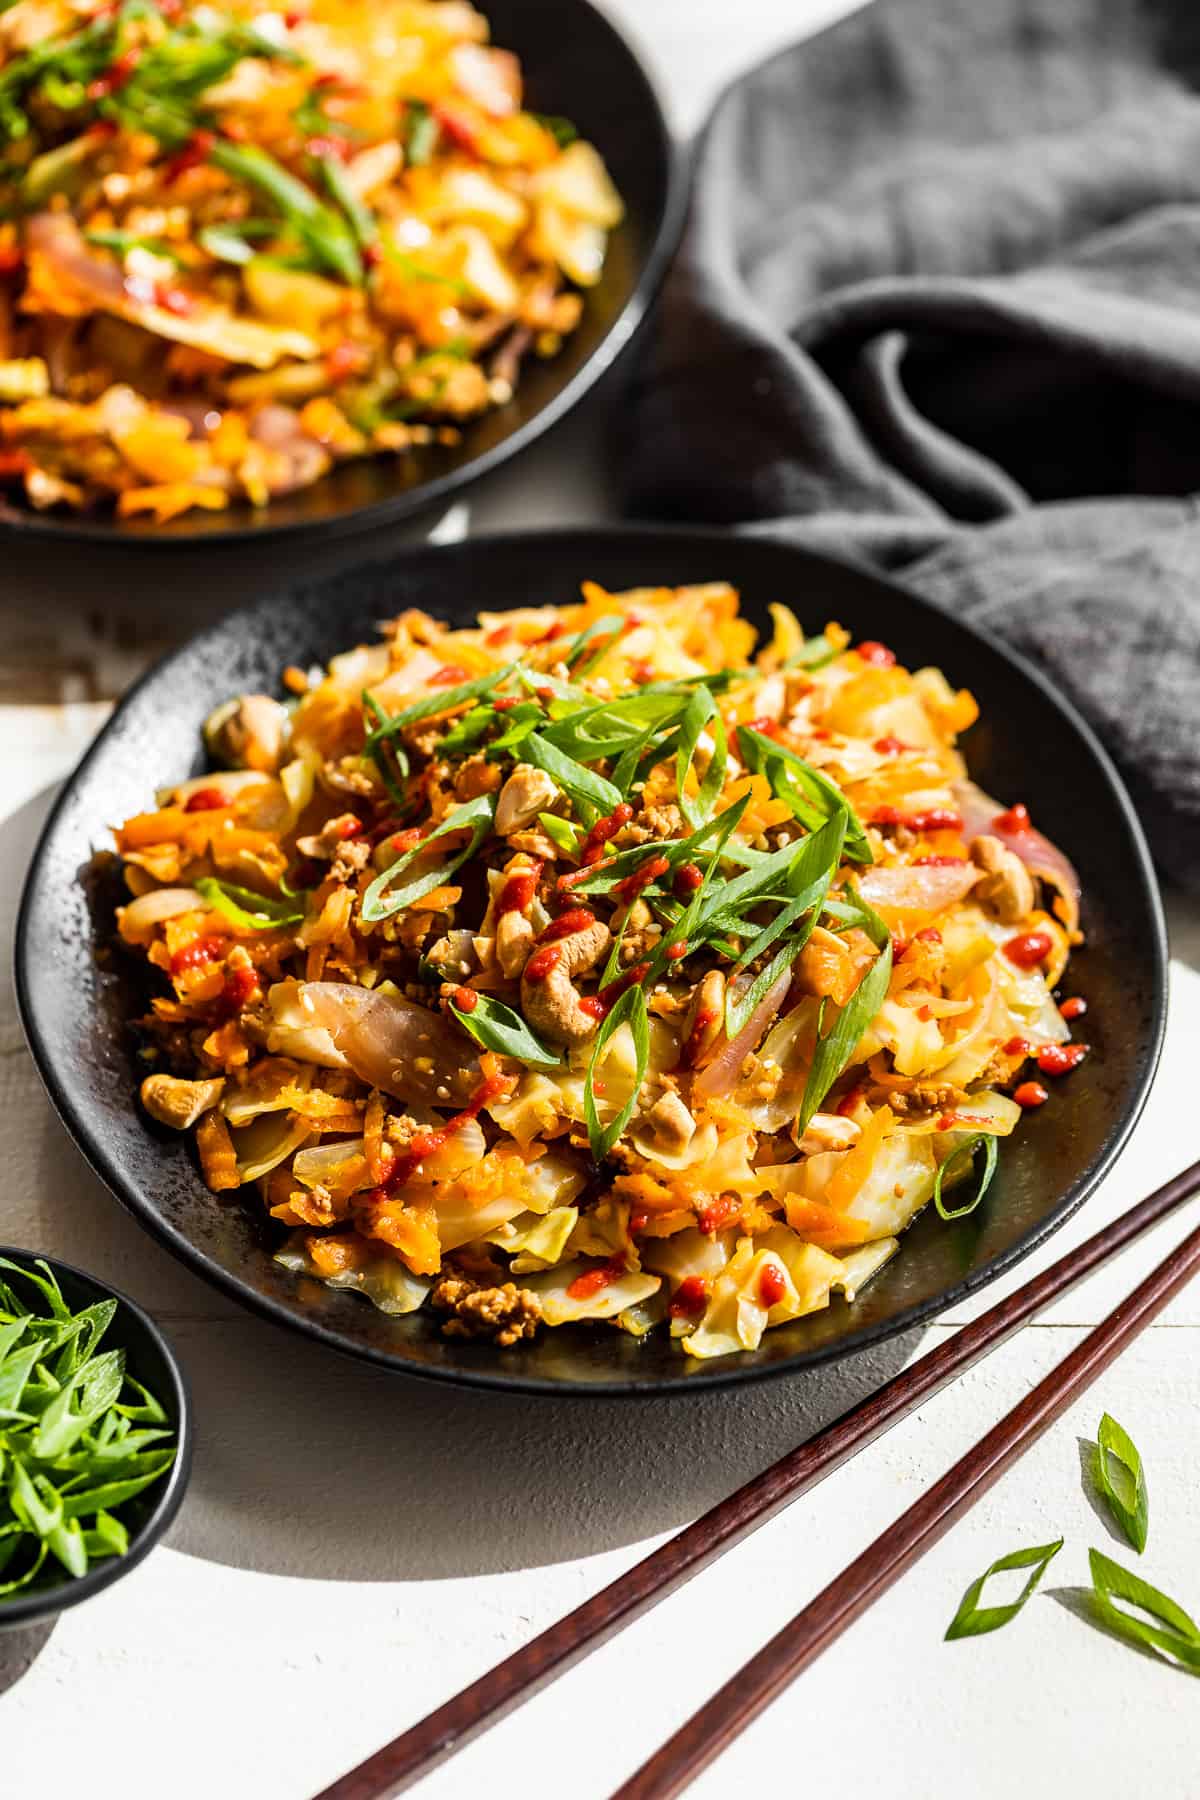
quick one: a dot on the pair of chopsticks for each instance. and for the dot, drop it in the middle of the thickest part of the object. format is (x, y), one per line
(709, 1731)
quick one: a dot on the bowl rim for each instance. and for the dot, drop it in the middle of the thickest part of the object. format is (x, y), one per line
(556, 541)
(24, 523)
(44, 1603)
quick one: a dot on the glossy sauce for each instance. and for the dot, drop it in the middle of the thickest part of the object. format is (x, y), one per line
(592, 848)
(543, 962)
(627, 890)
(424, 1144)
(1060, 1059)
(1030, 949)
(592, 1280)
(518, 890)
(197, 953)
(205, 800)
(691, 1298)
(567, 924)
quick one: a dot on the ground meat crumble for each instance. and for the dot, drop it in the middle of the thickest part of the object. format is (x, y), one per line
(506, 1314)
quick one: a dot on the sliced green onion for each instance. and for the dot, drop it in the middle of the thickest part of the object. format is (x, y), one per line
(253, 912)
(972, 1620)
(834, 1050)
(383, 897)
(1122, 1481)
(573, 778)
(630, 1008)
(985, 1141)
(497, 1027)
(1173, 1634)
(568, 837)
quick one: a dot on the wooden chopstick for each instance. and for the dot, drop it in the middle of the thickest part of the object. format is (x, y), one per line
(484, 1702)
(764, 1677)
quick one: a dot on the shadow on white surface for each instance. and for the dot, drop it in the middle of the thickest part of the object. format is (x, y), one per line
(19, 1650)
(308, 1464)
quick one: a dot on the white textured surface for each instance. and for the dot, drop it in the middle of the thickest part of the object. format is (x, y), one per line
(355, 1547)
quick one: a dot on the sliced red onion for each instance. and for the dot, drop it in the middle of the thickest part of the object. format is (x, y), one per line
(919, 887)
(984, 816)
(720, 1074)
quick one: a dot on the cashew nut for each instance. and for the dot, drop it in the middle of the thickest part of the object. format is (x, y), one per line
(248, 733)
(179, 1103)
(1007, 887)
(550, 1002)
(827, 1131)
(668, 1126)
(705, 1016)
(526, 793)
(514, 941)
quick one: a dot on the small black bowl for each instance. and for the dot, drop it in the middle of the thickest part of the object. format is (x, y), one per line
(150, 1359)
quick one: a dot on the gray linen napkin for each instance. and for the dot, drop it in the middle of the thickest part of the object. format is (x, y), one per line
(938, 308)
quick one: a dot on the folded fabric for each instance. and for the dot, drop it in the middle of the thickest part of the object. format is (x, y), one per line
(938, 307)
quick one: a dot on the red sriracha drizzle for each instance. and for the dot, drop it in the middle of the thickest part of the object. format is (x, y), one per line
(706, 1016)
(604, 829)
(1029, 949)
(593, 844)
(938, 862)
(194, 152)
(424, 1144)
(719, 1213)
(447, 675)
(687, 879)
(199, 951)
(1030, 1093)
(592, 1280)
(600, 1005)
(878, 655)
(205, 800)
(567, 924)
(543, 962)
(466, 999)
(628, 889)
(240, 987)
(1073, 1008)
(115, 76)
(1017, 1046)
(937, 818)
(691, 1298)
(771, 1285)
(518, 890)
(1014, 821)
(889, 746)
(1060, 1059)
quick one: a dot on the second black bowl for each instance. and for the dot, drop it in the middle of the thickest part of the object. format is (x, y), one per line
(577, 64)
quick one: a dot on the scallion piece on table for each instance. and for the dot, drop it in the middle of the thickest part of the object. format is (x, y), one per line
(1167, 1631)
(1122, 1481)
(973, 1620)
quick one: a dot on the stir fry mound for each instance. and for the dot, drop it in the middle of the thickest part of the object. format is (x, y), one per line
(586, 965)
(238, 246)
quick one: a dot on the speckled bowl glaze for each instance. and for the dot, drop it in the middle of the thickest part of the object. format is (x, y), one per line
(150, 1359)
(1028, 743)
(576, 64)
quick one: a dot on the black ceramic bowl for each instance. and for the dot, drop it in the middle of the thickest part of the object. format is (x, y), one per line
(1028, 745)
(150, 1359)
(576, 64)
